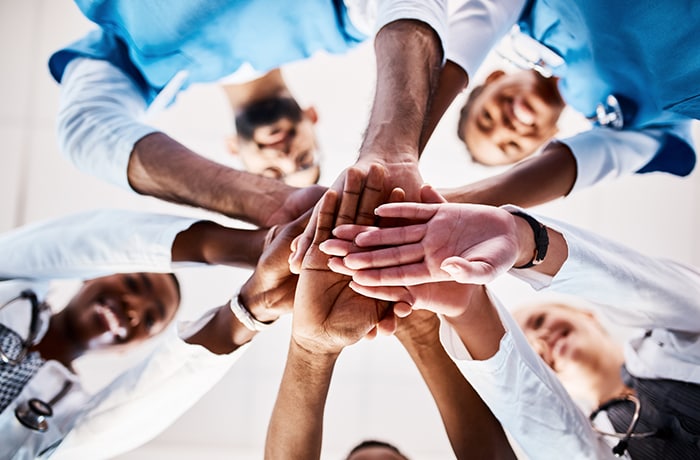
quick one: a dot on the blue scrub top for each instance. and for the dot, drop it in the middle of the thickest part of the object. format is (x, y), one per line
(644, 52)
(153, 40)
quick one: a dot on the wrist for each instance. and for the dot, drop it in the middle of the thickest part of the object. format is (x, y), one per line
(251, 321)
(311, 354)
(533, 240)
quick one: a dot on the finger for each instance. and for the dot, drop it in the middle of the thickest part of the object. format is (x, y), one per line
(352, 190)
(336, 265)
(414, 211)
(371, 334)
(397, 195)
(388, 257)
(391, 236)
(301, 243)
(403, 275)
(429, 195)
(326, 216)
(402, 309)
(372, 196)
(469, 272)
(387, 325)
(389, 293)
(338, 248)
(349, 232)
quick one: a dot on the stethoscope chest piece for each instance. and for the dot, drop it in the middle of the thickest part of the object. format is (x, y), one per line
(33, 414)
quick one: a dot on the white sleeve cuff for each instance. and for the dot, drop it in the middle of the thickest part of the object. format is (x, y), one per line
(98, 120)
(605, 153)
(476, 27)
(431, 12)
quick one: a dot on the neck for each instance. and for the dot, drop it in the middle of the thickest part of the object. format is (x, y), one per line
(57, 343)
(607, 382)
(268, 86)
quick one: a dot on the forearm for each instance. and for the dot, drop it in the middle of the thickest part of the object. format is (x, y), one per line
(223, 333)
(160, 166)
(214, 244)
(408, 55)
(534, 181)
(452, 81)
(296, 426)
(479, 326)
(472, 429)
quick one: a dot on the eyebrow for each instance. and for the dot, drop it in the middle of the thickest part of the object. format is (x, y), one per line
(161, 310)
(146, 282)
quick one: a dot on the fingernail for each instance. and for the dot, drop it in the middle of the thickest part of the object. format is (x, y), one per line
(450, 268)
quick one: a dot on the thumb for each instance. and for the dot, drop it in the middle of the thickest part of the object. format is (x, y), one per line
(468, 272)
(429, 195)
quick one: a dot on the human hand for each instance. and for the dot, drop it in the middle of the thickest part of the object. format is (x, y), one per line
(269, 292)
(288, 203)
(460, 242)
(399, 172)
(328, 315)
(420, 328)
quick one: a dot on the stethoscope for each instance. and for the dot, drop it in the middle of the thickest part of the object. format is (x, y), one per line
(528, 53)
(33, 413)
(624, 438)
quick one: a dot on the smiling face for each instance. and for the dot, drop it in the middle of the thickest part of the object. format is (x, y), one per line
(276, 139)
(121, 309)
(571, 341)
(511, 117)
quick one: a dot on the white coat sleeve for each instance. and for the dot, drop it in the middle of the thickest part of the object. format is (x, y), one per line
(526, 397)
(636, 290)
(605, 153)
(146, 399)
(91, 244)
(475, 27)
(369, 16)
(99, 119)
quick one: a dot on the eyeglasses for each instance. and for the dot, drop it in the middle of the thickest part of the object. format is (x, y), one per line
(621, 447)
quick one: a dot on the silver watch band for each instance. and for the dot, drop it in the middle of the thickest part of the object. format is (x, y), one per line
(244, 315)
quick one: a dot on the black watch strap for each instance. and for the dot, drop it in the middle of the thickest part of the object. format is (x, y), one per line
(541, 239)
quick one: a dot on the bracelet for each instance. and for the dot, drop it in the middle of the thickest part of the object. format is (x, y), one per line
(541, 239)
(245, 316)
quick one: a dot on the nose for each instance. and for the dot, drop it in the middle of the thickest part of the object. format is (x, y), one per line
(133, 318)
(539, 340)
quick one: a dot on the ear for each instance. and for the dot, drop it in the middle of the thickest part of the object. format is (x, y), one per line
(232, 144)
(311, 114)
(493, 76)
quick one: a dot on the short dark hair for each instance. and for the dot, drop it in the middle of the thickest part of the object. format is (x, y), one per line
(374, 443)
(265, 112)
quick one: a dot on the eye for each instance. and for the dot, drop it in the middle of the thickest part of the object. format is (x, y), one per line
(149, 321)
(538, 321)
(306, 160)
(513, 148)
(131, 284)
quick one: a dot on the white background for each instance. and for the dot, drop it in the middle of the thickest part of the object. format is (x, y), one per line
(376, 391)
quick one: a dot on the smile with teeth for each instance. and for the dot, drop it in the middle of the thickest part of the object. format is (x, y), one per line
(112, 321)
(523, 112)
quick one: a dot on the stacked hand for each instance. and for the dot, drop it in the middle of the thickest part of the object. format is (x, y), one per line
(456, 242)
(328, 314)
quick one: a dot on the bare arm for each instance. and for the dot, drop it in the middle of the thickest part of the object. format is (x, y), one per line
(473, 430)
(535, 181)
(296, 426)
(453, 80)
(162, 167)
